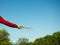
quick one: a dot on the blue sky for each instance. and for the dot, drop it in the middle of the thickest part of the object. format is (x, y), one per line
(43, 16)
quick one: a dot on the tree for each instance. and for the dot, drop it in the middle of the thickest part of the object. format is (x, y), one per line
(56, 38)
(39, 41)
(4, 37)
(48, 40)
(22, 41)
(30, 43)
(53, 39)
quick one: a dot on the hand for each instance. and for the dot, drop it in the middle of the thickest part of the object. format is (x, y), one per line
(20, 27)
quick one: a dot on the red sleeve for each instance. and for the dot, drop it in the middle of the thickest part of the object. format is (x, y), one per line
(5, 22)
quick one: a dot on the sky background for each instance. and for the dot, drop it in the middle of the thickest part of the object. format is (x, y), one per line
(43, 16)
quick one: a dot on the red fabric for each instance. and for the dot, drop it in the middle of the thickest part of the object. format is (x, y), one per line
(5, 22)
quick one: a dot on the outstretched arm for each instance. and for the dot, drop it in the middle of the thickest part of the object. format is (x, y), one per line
(5, 22)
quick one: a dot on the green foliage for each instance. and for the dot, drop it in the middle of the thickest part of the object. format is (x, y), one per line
(56, 38)
(5, 43)
(4, 39)
(53, 39)
(22, 41)
(30, 43)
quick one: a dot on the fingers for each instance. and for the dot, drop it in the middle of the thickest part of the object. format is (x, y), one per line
(20, 27)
